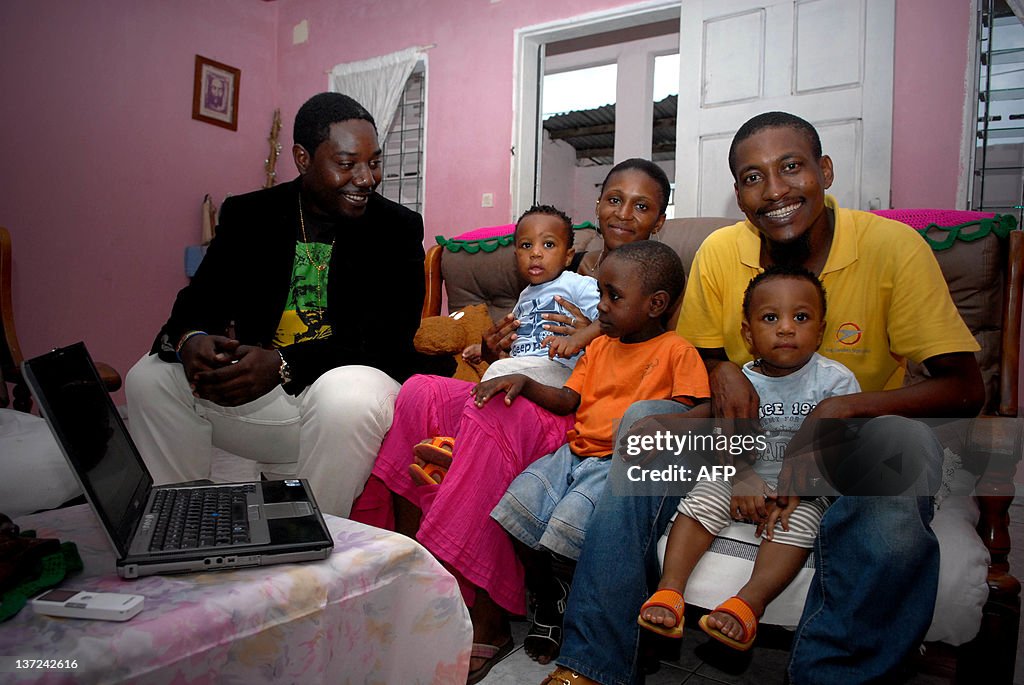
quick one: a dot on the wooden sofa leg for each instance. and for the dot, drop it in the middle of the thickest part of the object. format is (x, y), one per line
(992, 653)
(996, 443)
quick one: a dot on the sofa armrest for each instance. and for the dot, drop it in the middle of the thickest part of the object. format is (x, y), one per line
(1010, 352)
(432, 276)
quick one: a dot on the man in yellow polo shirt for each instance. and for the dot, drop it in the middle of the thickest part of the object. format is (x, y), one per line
(887, 302)
(887, 298)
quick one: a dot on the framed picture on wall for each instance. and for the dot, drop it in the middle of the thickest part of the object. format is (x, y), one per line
(215, 93)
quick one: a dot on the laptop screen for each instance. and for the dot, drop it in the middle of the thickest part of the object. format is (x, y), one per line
(95, 442)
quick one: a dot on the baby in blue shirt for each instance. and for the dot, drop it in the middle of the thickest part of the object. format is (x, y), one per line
(543, 251)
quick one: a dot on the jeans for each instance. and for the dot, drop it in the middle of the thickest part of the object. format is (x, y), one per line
(871, 599)
(876, 569)
(618, 565)
(549, 505)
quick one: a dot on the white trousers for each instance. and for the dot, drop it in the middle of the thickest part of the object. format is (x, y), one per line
(329, 434)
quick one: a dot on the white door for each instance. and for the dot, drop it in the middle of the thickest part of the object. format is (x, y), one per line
(828, 61)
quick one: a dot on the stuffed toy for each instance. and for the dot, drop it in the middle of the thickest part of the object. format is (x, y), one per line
(453, 333)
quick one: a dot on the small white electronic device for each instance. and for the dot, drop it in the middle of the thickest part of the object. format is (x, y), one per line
(105, 606)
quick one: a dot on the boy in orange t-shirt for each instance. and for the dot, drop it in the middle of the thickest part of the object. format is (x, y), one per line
(548, 505)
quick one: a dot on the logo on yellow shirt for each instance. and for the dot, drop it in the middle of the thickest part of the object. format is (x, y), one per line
(848, 333)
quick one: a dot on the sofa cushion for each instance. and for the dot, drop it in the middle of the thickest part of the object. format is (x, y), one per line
(487, 273)
(488, 277)
(970, 248)
(479, 267)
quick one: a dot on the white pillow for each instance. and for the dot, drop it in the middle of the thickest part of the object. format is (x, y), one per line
(33, 473)
(963, 567)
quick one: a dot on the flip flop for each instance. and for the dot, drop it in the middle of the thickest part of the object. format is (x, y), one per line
(436, 450)
(431, 474)
(741, 611)
(493, 654)
(664, 599)
(544, 632)
(436, 455)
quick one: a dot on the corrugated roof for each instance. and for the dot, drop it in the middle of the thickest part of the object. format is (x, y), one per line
(593, 131)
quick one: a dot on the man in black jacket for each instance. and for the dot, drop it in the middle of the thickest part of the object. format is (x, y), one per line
(289, 344)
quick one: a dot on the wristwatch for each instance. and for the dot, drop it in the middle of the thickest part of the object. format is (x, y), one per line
(284, 370)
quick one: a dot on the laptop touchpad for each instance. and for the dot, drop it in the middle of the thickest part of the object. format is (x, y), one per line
(285, 510)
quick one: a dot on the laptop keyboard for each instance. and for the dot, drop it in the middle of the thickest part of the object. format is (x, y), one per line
(200, 517)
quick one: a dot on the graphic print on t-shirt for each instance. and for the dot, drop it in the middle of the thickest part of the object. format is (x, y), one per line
(302, 319)
(780, 422)
(531, 333)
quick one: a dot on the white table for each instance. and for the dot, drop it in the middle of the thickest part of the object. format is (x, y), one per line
(380, 609)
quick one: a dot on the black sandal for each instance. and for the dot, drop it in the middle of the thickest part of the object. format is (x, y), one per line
(544, 639)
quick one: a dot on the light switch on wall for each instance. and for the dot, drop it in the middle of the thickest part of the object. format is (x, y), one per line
(300, 32)
(487, 200)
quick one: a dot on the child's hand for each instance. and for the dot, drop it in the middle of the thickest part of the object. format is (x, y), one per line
(777, 514)
(562, 345)
(473, 354)
(749, 493)
(748, 508)
(511, 385)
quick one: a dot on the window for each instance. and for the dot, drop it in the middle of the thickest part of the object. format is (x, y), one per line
(999, 156)
(404, 145)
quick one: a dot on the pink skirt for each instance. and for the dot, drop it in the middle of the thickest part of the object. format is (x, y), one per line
(493, 445)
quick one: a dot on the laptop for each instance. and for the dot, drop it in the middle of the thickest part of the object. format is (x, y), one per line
(168, 528)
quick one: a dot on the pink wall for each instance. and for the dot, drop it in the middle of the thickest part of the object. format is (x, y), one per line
(103, 169)
(469, 84)
(930, 63)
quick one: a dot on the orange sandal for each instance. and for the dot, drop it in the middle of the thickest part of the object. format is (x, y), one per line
(436, 455)
(431, 474)
(664, 599)
(741, 611)
(436, 451)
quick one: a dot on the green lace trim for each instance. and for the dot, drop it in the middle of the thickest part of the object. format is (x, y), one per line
(1000, 224)
(52, 569)
(488, 244)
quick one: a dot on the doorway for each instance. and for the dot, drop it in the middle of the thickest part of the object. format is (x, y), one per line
(602, 31)
(602, 102)
(828, 61)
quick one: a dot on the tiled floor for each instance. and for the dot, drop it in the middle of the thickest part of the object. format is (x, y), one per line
(702, 662)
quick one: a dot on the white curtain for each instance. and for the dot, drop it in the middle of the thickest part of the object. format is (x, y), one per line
(376, 83)
(1018, 8)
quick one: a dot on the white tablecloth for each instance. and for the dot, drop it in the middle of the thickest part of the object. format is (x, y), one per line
(380, 609)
